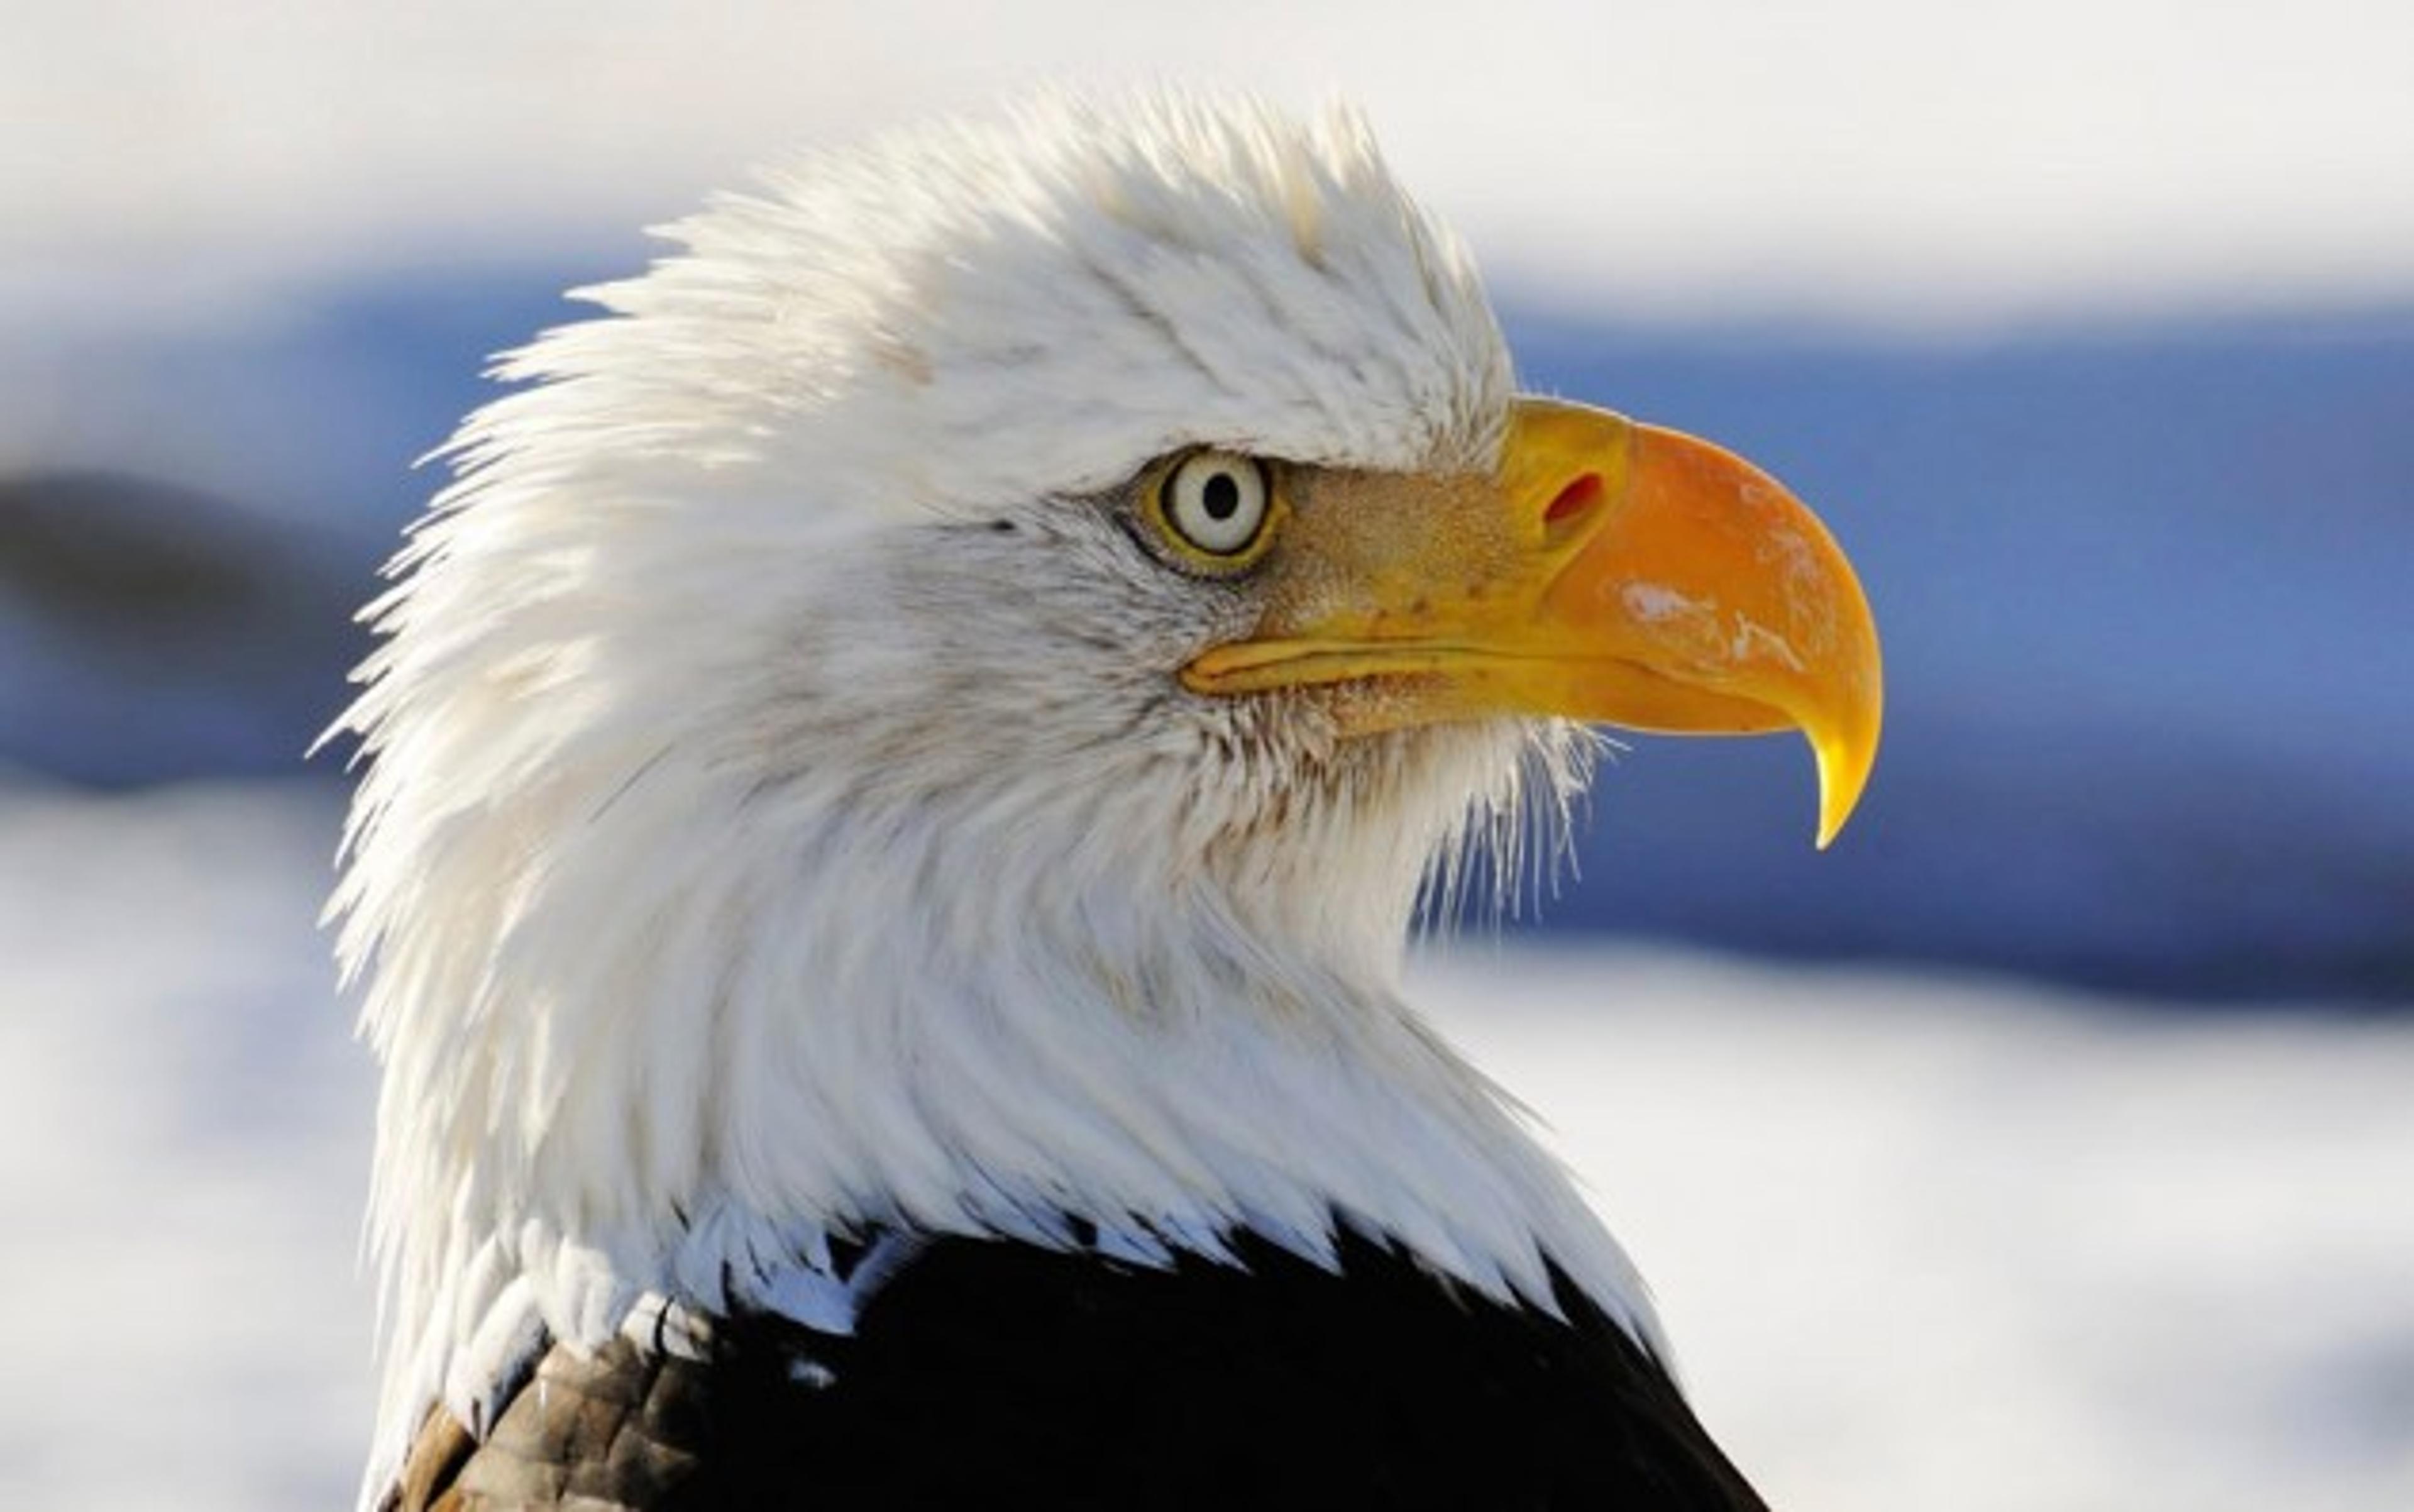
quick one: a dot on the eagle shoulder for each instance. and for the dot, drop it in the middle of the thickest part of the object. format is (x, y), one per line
(989, 1373)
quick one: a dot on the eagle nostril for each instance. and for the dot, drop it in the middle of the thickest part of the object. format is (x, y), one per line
(1579, 496)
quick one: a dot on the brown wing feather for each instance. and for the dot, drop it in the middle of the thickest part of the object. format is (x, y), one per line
(615, 1432)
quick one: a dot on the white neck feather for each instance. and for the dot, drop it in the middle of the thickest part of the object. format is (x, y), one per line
(711, 1034)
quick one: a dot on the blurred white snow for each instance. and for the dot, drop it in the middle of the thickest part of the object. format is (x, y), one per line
(1874, 161)
(1922, 1243)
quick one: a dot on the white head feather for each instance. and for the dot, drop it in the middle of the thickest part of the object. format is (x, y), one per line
(784, 817)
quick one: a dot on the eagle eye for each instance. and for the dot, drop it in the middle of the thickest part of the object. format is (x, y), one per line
(1214, 509)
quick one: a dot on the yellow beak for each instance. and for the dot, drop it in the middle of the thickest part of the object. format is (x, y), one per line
(1607, 571)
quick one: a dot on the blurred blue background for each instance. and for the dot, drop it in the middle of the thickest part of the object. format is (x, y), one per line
(2049, 1144)
(2150, 725)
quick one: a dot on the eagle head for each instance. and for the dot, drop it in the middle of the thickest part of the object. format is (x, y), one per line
(935, 709)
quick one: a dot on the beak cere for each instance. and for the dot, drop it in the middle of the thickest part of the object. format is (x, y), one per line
(1607, 571)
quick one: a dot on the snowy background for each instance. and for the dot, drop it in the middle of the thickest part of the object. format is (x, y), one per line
(2047, 1145)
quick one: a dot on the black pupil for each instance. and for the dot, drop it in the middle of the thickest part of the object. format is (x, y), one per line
(1221, 497)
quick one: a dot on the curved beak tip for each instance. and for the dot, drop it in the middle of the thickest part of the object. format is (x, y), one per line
(1846, 758)
(1836, 801)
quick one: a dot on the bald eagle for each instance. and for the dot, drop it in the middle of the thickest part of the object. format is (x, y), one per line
(898, 775)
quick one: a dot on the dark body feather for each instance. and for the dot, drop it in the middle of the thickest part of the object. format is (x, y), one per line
(997, 1374)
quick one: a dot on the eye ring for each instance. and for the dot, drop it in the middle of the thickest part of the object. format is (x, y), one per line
(1216, 508)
